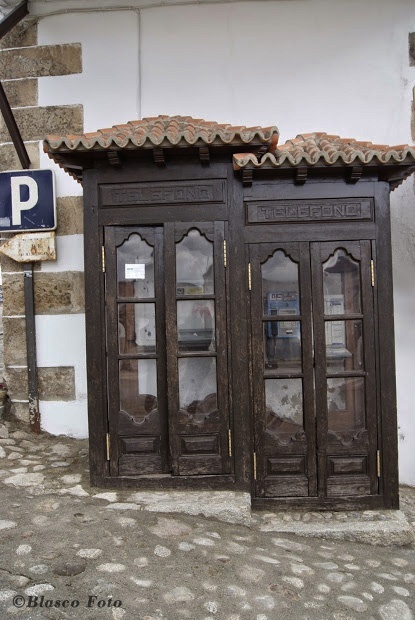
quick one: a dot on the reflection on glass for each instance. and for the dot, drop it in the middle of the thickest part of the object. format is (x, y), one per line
(138, 388)
(194, 265)
(341, 281)
(135, 268)
(280, 285)
(345, 403)
(136, 328)
(284, 406)
(344, 345)
(198, 387)
(196, 325)
(282, 346)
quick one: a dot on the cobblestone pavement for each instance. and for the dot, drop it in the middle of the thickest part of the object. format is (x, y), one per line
(72, 551)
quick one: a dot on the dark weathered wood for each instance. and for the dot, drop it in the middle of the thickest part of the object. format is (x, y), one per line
(169, 200)
(306, 309)
(111, 311)
(384, 288)
(240, 355)
(95, 330)
(320, 367)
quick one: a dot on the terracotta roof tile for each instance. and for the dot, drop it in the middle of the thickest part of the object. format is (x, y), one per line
(161, 131)
(310, 149)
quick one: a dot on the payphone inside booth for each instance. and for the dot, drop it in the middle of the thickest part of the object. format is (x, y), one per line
(238, 337)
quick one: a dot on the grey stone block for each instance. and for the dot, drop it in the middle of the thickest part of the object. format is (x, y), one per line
(41, 60)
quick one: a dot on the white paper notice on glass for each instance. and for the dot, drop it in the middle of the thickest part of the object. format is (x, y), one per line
(135, 272)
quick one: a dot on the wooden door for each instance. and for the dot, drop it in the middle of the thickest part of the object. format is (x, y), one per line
(135, 325)
(167, 386)
(313, 378)
(197, 349)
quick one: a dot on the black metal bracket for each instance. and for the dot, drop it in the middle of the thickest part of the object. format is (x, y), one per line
(6, 24)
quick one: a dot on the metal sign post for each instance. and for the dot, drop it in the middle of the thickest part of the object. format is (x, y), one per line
(34, 415)
(27, 203)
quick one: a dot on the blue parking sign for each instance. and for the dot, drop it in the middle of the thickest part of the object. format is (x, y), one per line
(27, 200)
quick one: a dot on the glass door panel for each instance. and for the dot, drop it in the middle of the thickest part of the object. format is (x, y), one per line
(313, 370)
(135, 340)
(344, 362)
(281, 374)
(197, 349)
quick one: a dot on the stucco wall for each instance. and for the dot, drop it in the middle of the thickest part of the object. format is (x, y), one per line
(339, 66)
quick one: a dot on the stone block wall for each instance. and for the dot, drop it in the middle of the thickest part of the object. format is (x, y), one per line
(22, 64)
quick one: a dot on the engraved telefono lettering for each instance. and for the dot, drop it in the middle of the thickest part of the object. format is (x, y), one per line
(162, 193)
(309, 211)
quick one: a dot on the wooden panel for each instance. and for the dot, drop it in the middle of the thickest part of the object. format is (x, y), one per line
(293, 465)
(286, 486)
(199, 465)
(353, 485)
(140, 444)
(386, 350)
(179, 192)
(309, 211)
(202, 444)
(344, 465)
(138, 465)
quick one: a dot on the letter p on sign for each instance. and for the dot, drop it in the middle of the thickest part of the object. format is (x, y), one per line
(19, 205)
(27, 200)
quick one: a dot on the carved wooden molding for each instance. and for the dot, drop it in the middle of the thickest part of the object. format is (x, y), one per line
(114, 158)
(247, 177)
(355, 173)
(158, 155)
(204, 155)
(301, 175)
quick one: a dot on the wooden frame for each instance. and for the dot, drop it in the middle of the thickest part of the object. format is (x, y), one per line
(227, 203)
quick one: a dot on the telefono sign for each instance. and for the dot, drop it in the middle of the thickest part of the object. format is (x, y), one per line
(27, 200)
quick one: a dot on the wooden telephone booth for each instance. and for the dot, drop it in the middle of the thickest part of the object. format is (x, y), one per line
(239, 310)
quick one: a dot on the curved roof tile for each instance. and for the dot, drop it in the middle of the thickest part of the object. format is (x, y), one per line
(321, 148)
(161, 131)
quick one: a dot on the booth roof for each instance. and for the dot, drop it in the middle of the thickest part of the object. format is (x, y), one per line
(161, 132)
(309, 149)
(260, 146)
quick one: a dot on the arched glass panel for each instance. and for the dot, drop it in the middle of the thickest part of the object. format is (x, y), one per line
(194, 265)
(135, 268)
(280, 285)
(341, 282)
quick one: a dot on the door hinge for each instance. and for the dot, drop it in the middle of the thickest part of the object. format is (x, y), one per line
(378, 462)
(254, 465)
(103, 258)
(108, 446)
(249, 276)
(372, 272)
(229, 442)
(225, 254)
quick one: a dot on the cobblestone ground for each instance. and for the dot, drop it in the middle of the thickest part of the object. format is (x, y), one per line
(62, 540)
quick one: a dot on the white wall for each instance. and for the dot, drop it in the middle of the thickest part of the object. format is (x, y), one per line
(339, 66)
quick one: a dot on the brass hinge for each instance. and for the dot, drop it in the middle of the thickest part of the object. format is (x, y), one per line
(103, 258)
(372, 272)
(108, 446)
(378, 462)
(249, 276)
(229, 442)
(254, 465)
(225, 254)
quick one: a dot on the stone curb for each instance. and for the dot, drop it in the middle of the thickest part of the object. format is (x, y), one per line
(389, 528)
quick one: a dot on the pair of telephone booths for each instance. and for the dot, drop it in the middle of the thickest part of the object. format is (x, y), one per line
(239, 321)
